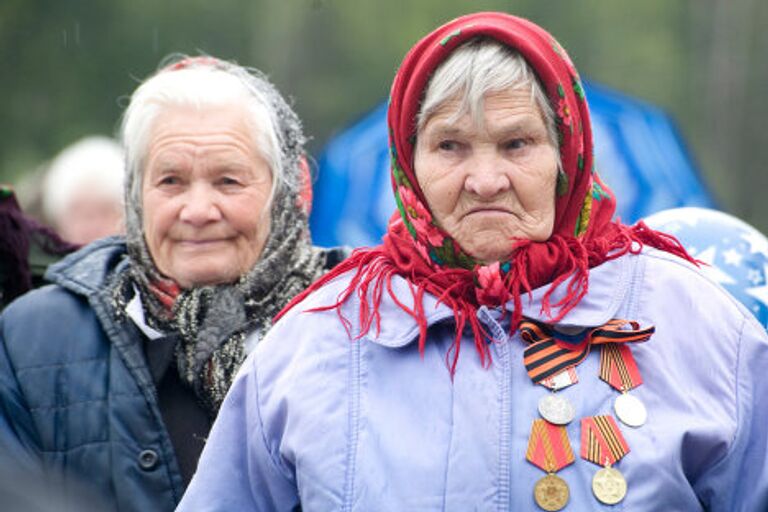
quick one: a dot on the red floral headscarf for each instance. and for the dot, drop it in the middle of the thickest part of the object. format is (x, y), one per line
(583, 237)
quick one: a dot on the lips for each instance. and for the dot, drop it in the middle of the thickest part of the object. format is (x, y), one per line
(201, 243)
(488, 210)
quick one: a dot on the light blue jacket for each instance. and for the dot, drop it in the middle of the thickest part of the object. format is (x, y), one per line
(318, 421)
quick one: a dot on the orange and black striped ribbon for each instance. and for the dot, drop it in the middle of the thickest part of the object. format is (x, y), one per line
(602, 441)
(548, 446)
(549, 353)
(618, 367)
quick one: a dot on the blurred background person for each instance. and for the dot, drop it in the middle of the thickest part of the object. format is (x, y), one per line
(27, 248)
(82, 196)
(113, 375)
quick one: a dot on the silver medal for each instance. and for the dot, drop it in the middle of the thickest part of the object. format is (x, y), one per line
(556, 409)
(630, 410)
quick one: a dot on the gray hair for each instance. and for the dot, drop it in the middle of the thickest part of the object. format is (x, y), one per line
(200, 82)
(476, 68)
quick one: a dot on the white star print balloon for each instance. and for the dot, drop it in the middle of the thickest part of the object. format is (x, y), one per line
(736, 252)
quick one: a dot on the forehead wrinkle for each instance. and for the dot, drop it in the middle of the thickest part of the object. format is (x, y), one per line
(178, 125)
(178, 146)
(522, 125)
(217, 139)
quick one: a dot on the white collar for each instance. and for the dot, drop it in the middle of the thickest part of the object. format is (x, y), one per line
(135, 311)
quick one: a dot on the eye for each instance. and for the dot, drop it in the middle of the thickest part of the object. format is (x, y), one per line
(168, 180)
(448, 145)
(228, 180)
(515, 144)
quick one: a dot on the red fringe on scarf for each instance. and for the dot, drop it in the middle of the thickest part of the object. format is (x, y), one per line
(374, 269)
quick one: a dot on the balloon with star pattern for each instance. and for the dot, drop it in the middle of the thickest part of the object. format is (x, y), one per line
(736, 253)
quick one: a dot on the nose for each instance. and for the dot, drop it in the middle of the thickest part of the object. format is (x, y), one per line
(200, 206)
(487, 177)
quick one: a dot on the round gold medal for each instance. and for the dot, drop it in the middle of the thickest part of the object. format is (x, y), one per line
(551, 493)
(609, 486)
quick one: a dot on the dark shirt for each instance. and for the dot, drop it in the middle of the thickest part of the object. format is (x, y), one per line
(185, 419)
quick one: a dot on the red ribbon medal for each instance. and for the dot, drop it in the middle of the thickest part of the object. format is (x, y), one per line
(550, 450)
(603, 444)
(619, 369)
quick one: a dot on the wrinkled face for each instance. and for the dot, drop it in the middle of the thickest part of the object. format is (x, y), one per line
(204, 193)
(488, 185)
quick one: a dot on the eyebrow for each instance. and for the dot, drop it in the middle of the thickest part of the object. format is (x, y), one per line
(164, 165)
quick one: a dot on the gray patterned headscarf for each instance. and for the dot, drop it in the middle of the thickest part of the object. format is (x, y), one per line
(212, 322)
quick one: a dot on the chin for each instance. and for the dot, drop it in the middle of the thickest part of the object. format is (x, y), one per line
(488, 249)
(490, 256)
(205, 277)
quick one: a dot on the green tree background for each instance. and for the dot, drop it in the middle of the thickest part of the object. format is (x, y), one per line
(68, 65)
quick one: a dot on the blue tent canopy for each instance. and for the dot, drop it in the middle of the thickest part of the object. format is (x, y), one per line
(638, 151)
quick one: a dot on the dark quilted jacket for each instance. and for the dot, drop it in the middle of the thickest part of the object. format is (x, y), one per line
(75, 391)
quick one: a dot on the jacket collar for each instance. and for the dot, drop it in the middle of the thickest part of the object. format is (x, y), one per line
(608, 285)
(85, 271)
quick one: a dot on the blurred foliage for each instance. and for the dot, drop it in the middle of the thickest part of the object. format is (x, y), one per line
(69, 65)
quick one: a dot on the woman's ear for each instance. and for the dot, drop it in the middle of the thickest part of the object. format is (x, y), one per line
(305, 186)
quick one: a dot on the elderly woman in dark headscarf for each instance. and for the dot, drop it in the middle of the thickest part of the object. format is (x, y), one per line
(509, 345)
(114, 374)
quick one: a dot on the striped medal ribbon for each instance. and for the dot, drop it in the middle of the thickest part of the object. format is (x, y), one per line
(552, 356)
(619, 369)
(549, 352)
(603, 444)
(550, 450)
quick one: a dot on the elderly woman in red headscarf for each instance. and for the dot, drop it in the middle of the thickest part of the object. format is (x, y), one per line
(508, 346)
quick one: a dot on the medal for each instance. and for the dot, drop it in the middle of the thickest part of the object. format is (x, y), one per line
(550, 450)
(619, 369)
(603, 444)
(551, 492)
(556, 409)
(630, 410)
(551, 366)
(609, 486)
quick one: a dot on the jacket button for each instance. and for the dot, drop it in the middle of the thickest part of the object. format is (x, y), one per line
(148, 459)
